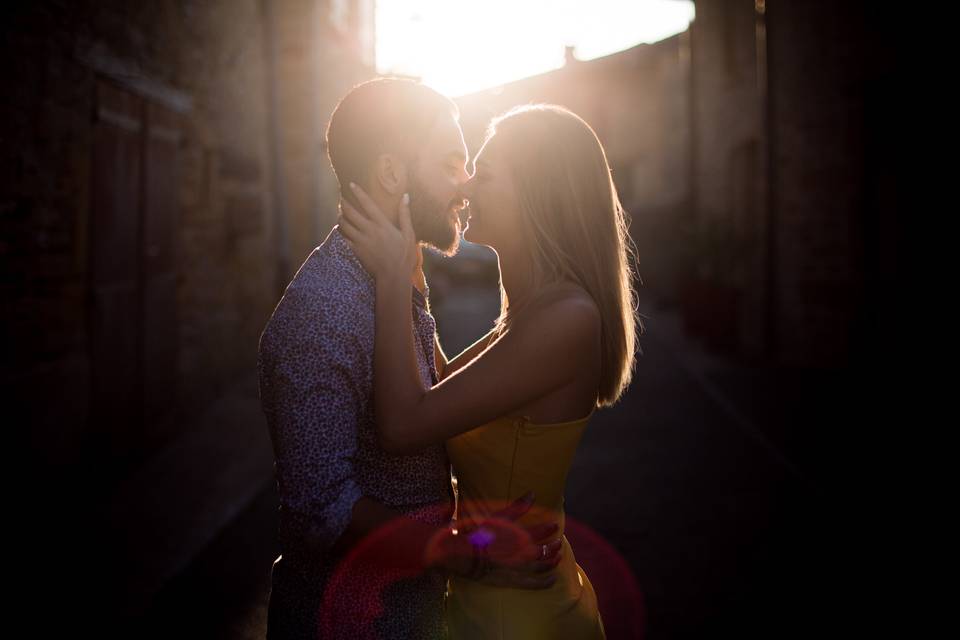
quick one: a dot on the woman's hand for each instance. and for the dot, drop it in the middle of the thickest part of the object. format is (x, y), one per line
(382, 249)
(510, 557)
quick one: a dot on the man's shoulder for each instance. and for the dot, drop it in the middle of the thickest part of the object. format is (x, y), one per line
(333, 266)
(336, 302)
(324, 279)
(331, 271)
(325, 291)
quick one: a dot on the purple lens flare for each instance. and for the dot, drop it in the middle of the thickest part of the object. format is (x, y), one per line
(481, 537)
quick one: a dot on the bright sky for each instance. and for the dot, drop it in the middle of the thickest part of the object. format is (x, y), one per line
(462, 46)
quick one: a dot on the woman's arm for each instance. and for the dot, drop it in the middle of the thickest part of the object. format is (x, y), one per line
(544, 352)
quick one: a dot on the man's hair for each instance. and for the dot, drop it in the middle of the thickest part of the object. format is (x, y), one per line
(377, 116)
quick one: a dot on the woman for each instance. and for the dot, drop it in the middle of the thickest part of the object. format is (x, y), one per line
(513, 411)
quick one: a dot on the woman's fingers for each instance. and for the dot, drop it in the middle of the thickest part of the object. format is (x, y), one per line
(368, 204)
(350, 233)
(385, 247)
(357, 219)
(540, 553)
(542, 566)
(406, 227)
(347, 228)
(541, 531)
(518, 507)
(549, 551)
(354, 210)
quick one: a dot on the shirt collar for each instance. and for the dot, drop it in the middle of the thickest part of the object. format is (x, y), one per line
(340, 247)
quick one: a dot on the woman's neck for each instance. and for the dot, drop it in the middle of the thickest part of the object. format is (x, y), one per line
(515, 273)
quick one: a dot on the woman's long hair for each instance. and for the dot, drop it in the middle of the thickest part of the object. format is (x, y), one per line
(574, 226)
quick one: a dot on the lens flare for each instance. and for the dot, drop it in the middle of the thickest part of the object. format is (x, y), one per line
(361, 588)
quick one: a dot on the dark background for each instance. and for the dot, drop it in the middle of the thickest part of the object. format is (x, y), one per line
(163, 177)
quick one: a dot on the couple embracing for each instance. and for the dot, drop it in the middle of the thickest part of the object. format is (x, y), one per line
(421, 496)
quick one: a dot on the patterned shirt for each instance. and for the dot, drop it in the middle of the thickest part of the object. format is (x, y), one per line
(315, 366)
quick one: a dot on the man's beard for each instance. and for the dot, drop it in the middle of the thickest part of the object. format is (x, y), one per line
(432, 221)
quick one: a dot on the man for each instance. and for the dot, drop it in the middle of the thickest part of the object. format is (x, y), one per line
(337, 486)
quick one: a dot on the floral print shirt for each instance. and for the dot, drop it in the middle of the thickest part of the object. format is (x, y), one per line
(315, 365)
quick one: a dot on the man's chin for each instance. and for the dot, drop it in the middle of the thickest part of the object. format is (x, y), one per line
(449, 245)
(444, 238)
(451, 248)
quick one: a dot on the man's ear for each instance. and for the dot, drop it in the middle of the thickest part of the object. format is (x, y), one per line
(391, 174)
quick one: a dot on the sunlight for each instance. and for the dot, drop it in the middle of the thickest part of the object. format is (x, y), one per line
(460, 47)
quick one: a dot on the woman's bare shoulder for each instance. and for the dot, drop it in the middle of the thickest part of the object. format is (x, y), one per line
(568, 305)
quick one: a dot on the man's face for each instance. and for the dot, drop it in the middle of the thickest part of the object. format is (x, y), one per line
(435, 180)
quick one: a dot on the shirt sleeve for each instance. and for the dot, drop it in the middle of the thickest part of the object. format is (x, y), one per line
(317, 387)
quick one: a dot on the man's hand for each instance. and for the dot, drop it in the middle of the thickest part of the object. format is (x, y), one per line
(515, 556)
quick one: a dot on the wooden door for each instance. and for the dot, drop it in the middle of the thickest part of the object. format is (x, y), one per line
(115, 305)
(133, 318)
(158, 269)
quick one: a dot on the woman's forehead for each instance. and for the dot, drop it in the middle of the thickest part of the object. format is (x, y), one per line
(489, 152)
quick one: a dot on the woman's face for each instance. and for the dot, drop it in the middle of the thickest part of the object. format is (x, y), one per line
(494, 218)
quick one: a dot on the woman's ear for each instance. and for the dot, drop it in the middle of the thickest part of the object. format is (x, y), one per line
(391, 174)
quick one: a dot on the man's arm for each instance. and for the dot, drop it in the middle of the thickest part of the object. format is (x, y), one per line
(314, 426)
(439, 357)
(445, 367)
(406, 541)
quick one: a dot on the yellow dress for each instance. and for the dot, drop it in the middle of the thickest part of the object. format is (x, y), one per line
(495, 464)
